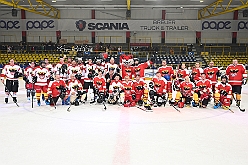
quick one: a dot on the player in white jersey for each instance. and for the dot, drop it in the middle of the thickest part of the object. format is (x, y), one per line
(62, 68)
(11, 72)
(111, 64)
(40, 78)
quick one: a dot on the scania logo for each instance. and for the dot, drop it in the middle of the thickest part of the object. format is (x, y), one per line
(80, 25)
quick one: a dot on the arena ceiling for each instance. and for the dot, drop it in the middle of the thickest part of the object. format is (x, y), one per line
(122, 4)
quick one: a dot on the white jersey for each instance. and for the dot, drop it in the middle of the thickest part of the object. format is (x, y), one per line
(115, 85)
(42, 76)
(57, 70)
(73, 84)
(89, 67)
(9, 71)
(74, 70)
(50, 67)
(28, 72)
(109, 65)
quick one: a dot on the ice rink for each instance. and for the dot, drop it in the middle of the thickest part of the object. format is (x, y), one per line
(129, 136)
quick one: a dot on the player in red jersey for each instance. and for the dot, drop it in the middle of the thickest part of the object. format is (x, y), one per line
(196, 73)
(129, 95)
(237, 77)
(99, 84)
(182, 72)
(212, 73)
(223, 94)
(158, 87)
(168, 73)
(203, 91)
(138, 86)
(57, 89)
(28, 78)
(139, 69)
(185, 93)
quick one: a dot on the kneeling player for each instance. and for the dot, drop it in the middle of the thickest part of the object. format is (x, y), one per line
(75, 90)
(129, 95)
(203, 91)
(186, 93)
(138, 86)
(115, 91)
(57, 89)
(223, 94)
(157, 90)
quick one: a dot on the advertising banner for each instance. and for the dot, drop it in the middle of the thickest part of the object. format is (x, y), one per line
(122, 25)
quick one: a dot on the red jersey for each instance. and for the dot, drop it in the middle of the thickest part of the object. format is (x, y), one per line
(211, 74)
(53, 87)
(224, 87)
(166, 71)
(236, 73)
(140, 69)
(182, 73)
(196, 73)
(127, 85)
(127, 71)
(160, 85)
(204, 85)
(99, 83)
(186, 88)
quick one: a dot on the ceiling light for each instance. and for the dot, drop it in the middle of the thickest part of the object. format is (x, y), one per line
(181, 7)
(53, 1)
(201, 1)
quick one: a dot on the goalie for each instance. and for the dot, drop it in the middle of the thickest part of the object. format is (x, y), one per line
(116, 91)
(75, 90)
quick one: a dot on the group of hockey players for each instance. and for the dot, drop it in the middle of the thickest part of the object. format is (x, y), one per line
(123, 84)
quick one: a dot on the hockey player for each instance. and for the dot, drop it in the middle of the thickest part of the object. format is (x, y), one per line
(90, 71)
(99, 84)
(57, 89)
(158, 87)
(111, 65)
(100, 65)
(182, 73)
(185, 95)
(237, 77)
(129, 95)
(203, 92)
(75, 90)
(139, 69)
(28, 78)
(196, 73)
(40, 78)
(116, 91)
(109, 76)
(49, 66)
(223, 94)
(212, 73)
(11, 72)
(138, 86)
(61, 68)
(168, 73)
(74, 68)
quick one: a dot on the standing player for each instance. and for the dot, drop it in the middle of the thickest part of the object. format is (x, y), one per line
(182, 73)
(111, 65)
(196, 73)
(40, 78)
(212, 73)
(237, 77)
(99, 84)
(61, 68)
(28, 78)
(168, 73)
(129, 95)
(12, 72)
(74, 68)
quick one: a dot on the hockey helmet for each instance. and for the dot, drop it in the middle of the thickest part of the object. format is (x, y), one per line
(180, 104)
(223, 77)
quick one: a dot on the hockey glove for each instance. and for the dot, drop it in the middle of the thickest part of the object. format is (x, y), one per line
(224, 93)
(244, 81)
(133, 96)
(34, 79)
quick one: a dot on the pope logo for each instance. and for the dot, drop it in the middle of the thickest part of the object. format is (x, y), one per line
(80, 25)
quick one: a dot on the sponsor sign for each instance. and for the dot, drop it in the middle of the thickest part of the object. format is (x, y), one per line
(122, 25)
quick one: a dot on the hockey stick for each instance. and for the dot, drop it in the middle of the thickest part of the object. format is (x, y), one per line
(230, 110)
(10, 94)
(175, 108)
(32, 95)
(242, 110)
(53, 102)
